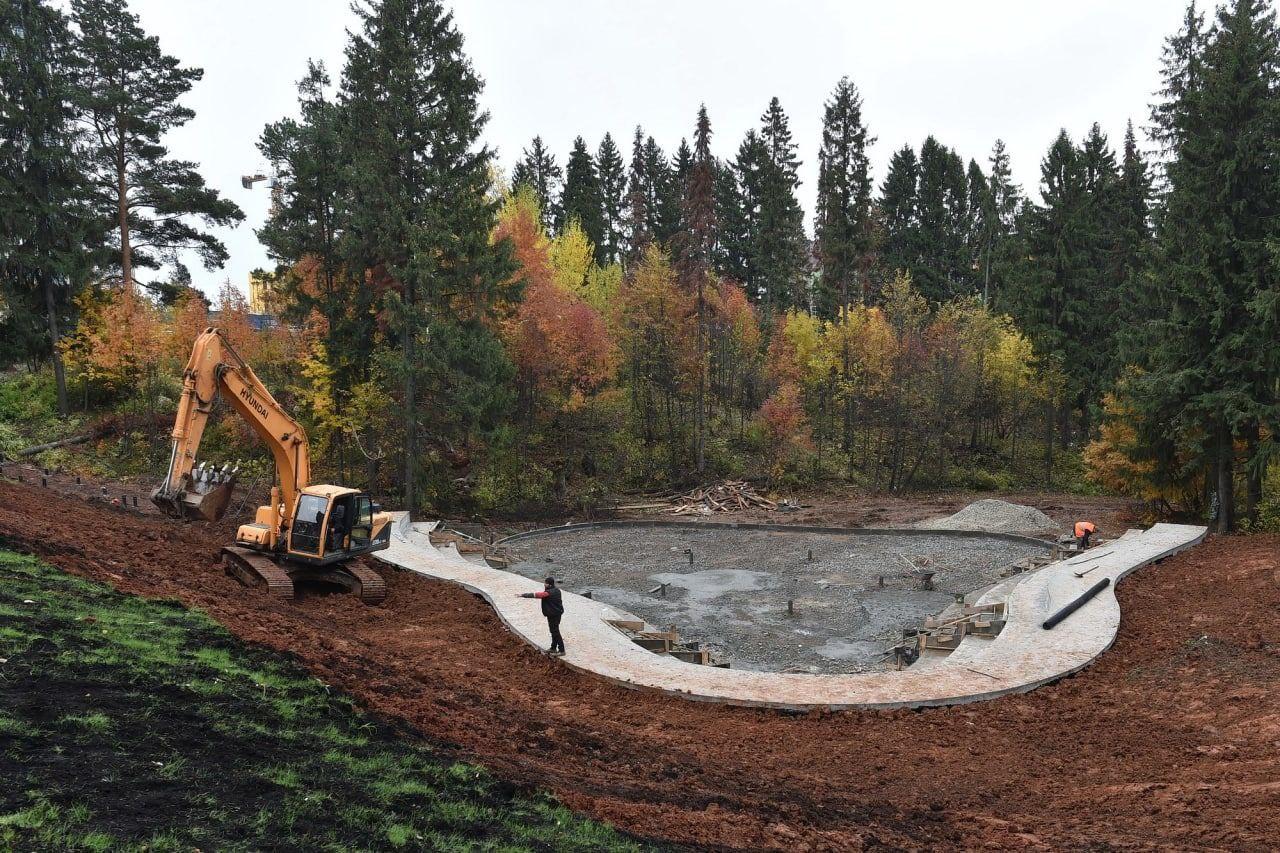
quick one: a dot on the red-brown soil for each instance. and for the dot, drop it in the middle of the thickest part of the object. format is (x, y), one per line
(1172, 740)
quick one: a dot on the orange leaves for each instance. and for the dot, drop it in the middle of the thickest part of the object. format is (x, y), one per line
(557, 341)
(785, 423)
(190, 318)
(118, 340)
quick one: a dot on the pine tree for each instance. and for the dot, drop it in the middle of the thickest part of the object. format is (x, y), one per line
(45, 229)
(537, 169)
(900, 210)
(130, 93)
(613, 193)
(581, 199)
(422, 216)
(842, 220)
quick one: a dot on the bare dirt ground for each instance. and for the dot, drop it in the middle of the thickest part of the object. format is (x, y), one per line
(1170, 741)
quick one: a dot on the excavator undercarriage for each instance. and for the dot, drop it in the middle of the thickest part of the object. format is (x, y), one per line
(254, 569)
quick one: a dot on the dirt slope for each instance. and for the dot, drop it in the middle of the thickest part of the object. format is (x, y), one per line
(1171, 740)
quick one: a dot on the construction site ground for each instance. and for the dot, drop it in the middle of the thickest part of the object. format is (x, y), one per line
(1170, 740)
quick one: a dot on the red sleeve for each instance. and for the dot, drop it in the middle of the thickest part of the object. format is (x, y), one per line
(542, 594)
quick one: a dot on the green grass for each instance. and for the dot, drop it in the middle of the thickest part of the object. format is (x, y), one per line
(128, 724)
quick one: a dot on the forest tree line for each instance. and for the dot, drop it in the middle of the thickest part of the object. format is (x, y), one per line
(640, 319)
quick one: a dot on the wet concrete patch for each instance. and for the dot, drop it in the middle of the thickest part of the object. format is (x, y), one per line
(851, 595)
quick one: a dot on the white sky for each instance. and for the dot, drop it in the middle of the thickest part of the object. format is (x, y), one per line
(968, 72)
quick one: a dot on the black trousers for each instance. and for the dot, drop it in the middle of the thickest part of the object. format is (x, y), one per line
(557, 642)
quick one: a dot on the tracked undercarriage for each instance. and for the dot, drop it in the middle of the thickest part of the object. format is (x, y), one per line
(255, 569)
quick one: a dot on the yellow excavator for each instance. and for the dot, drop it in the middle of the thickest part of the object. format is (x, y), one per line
(308, 532)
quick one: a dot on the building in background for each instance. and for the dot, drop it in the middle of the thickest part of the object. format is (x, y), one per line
(263, 304)
(262, 296)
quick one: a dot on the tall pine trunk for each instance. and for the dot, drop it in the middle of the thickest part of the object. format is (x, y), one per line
(122, 213)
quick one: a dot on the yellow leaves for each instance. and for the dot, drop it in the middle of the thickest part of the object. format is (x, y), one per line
(1110, 459)
(572, 258)
(1008, 364)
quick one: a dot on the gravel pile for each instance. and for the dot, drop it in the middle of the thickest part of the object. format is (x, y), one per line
(993, 516)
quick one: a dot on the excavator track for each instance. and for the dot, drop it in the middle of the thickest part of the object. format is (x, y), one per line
(256, 570)
(373, 589)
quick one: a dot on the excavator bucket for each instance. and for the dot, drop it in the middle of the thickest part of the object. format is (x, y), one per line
(198, 499)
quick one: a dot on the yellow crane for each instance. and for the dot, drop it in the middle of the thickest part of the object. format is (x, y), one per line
(307, 532)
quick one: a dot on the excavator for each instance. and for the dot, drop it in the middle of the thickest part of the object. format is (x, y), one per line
(308, 532)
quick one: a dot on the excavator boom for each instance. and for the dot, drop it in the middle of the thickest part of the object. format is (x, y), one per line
(203, 492)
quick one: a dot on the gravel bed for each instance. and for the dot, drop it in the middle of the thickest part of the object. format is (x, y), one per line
(853, 594)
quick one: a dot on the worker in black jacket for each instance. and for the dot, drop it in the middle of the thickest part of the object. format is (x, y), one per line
(553, 609)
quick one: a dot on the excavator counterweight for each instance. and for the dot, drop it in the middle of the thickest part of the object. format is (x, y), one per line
(307, 532)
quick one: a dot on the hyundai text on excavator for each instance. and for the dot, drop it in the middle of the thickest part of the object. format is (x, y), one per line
(307, 532)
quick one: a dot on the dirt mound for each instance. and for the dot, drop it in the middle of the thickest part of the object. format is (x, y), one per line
(994, 516)
(1169, 740)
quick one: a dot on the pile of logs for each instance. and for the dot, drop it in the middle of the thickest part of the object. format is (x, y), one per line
(729, 496)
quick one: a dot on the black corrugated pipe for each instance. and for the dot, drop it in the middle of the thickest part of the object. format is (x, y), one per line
(1077, 604)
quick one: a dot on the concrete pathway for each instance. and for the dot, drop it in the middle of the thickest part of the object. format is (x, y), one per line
(1023, 656)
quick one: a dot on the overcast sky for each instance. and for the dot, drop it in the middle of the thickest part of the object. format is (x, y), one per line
(967, 72)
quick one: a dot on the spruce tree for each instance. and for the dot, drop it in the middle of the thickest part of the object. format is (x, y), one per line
(662, 196)
(537, 170)
(739, 195)
(1181, 75)
(900, 211)
(998, 241)
(697, 251)
(1105, 270)
(581, 199)
(420, 226)
(639, 234)
(842, 219)
(1217, 348)
(672, 223)
(942, 195)
(781, 251)
(129, 92)
(613, 194)
(45, 229)
(1051, 297)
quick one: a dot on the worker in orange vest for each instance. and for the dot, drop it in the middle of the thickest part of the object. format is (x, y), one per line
(1084, 530)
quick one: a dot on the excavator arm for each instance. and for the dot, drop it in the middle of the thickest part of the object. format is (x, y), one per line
(196, 491)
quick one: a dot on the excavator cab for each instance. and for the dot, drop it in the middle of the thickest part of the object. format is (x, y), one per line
(332, 524)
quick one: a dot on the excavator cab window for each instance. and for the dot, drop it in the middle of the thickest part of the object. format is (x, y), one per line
(308, 524)
(362, 528)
